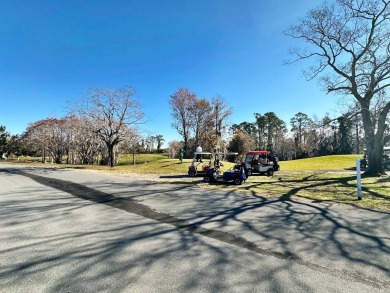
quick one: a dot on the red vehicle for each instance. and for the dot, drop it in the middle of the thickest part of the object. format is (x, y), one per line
(261, 162)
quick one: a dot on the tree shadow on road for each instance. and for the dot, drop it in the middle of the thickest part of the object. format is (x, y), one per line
(339, 242)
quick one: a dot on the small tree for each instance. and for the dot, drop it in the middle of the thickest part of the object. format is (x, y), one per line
(174, 148)
(160, 140)
(241, 143)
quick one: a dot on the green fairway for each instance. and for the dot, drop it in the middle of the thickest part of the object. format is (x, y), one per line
(336, 162)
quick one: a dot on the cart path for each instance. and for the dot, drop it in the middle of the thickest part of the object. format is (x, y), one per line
(135, 207)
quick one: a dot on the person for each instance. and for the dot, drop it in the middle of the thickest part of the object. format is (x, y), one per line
(199, 156)
(275, 163)
(181, 155)
(363, 162)
(244, 169)
(217, 162)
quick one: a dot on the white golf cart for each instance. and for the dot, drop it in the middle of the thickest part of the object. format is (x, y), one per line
(261, 162)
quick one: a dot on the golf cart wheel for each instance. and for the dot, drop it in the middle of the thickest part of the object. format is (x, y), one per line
(206, 179)
(237, 181)
(270, 172)
(191, 173)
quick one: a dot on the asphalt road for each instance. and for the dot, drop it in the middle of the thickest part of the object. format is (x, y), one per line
(77, 231)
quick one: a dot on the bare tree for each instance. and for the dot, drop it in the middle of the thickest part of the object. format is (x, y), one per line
(284, 147)
(198, 121)
(202, 124)
(181, 103)
(150, 140)
(84, 142)
(131, 143)
(222, 111)
(174, 148)
(57, 143)
(37, 137)
(349, 41)
(110, 112)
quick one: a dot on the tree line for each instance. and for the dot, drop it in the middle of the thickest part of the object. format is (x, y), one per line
(97, 128)
(306, 137)
(102, 125)
(196, 120)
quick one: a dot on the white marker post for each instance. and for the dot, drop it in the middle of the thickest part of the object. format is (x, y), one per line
(359, 180)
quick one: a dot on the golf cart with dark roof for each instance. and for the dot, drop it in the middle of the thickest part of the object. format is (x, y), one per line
(261, 162)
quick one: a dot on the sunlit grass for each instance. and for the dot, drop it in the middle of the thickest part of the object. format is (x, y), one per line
(336, 162)
(127, 159)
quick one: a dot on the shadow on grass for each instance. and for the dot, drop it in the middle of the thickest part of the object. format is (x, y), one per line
(174, 176)
(321, 189)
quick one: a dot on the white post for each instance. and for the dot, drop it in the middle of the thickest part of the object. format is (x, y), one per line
(359, 180)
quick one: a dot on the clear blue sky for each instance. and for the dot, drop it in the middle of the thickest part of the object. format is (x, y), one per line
(53, 51)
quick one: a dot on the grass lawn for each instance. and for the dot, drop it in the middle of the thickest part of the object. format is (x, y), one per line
(328, 179)
(329, 163)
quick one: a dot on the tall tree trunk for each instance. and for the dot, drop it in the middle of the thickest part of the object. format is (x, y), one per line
(374, 156)
(374, 144)
(44, 156)
(111, 155)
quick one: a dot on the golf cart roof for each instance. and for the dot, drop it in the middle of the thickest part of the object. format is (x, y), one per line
(202, 153)
(228, 154)
(258, 153)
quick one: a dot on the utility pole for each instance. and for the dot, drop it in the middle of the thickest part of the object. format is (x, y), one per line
(217, 132)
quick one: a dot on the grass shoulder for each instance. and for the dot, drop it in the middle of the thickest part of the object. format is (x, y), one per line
(328, 179)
